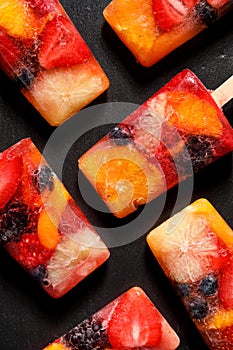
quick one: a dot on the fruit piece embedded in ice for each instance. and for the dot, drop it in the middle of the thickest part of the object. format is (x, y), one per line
(60, 92)
(131, 321)
(195, 250)
(41, 226)
(10, 53)
(151, 29)
(176, 132)
(122, 176)
(62, 45)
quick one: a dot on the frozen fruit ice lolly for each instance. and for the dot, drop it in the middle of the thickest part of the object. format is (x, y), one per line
(153, 28)
(129, 322)
(40, 224)
(195, 250)
(43, 51)
(180, 129)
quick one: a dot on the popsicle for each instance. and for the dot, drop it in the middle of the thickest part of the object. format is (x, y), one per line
(151, 29)
(45, 54)
(195, 250)
(131, 321)
(180, 129)
(40, 224)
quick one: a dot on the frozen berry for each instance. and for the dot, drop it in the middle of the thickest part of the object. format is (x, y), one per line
(206, 13)
(43, 179)
(39, 273)
(88, 335)
(198, 308)
(14, 221)
(121, 134)
(25, 77)
(209, 285)
(200, 150)
(183, 289)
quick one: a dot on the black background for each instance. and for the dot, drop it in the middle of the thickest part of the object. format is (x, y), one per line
(29, 318)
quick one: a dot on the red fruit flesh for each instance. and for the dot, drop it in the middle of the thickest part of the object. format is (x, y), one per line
(43, 7)
(10, 175)
(9, 53)
(169, 13)
(226, 287)
(135, 322)
(217, 3)
(62, 45)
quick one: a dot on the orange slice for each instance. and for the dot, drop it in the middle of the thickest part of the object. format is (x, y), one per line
(192, 115)
(221, 319)
(123, 177)
(47, 232)
(18, 19)
(56, 347)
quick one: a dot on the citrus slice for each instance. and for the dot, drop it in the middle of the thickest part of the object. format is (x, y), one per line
(18, 19)
(59, 93)
(186, 247)
(56, 347)
(123, 177)
(192, 115)
(47, 232)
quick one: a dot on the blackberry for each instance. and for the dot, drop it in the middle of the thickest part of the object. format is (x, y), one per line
(183, 289)
(200, 150)
(39, 273)
(25, 77)
(88, 335)
(14, 221)
(121, 134)
(209, 285)
(43, 179)
(198, 308)
(206, 13)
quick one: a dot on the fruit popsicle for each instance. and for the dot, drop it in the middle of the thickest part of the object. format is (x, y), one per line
(151, 29)
(195, 250)
(131, 321)
(40, 224)
(45, 54)
(176, 132)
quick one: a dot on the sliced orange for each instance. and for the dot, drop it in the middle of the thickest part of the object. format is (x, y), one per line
(192, 115)
(56, 346)
(123, 177)
(221, 319)
(18, 18)
(47, 231)
(59, 93)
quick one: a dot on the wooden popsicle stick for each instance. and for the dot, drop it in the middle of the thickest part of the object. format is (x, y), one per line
(224, 93)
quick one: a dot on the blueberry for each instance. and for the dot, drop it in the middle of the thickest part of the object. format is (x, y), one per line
(209, 285)
(183, 289)
(206, 13)
(43, 179)
(121, 134)
(198, 308)
(39, 273)
(25, 78)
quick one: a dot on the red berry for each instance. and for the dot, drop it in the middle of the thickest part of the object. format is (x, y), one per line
(43, 7)
(226, 287)
(9, 53)
(29, 252)
(10, 175)
(169, 13)
(62, 45)
(135, 322)
(217, 3)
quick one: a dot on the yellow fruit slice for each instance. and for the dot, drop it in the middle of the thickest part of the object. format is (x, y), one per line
(193, 115)
(184, 246)
(221, 319)
(122, 176)
(59, 93)
(47, 232)
(56, 347)
(18, 18)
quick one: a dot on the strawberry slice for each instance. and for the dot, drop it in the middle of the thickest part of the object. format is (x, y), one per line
(226, 287)
(10, 175)
(62, 45)
(43, 7)
(9, 53)
(217, 3)
(169, 13)
(135, 322)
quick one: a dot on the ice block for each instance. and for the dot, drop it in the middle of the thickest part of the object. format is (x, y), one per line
(195, 250)
(43, 52)
(180, 129)
(153, 28)
(40, 224)
(131, 321)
